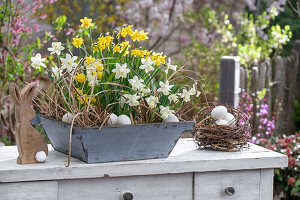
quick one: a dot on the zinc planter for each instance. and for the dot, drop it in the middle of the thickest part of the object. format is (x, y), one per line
(114, 143)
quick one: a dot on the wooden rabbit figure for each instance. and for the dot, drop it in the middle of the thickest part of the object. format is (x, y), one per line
(31, 144)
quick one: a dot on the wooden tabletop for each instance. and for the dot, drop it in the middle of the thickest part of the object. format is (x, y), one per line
(185, 157)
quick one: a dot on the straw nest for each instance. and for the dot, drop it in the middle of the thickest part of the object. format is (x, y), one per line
(209, 135)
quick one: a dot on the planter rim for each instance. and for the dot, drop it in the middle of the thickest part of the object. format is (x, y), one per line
(114, 126)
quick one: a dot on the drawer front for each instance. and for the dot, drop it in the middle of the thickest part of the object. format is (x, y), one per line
(160, 187)
(237, 185)
(45, 190)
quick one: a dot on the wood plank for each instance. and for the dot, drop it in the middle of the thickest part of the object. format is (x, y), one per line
(185, 158)
(229, 80)
(266, 184)
(46, 190)
(162, 187)
(212, 185)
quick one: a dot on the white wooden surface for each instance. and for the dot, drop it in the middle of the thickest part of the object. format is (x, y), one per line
(188, 174)
(185, 158)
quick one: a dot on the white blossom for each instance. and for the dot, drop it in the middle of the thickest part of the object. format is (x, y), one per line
(152, 101)
(147, 65)
(68, 62)
(165, 88)
(173, 97)
(92, 78)
(186, 95)
(137, 84)
(56, 48)
(165, 111)
(170, 66)
(37, 61)
(121, 70)
(132, 99)
(56, 71)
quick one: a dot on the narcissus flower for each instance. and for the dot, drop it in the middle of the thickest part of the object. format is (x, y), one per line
(165, 88)
(80, 77)
(125, 31)
(147, 65)
(86, 22)
(137, 84)
(170, 66)
(37, 61)
(158, 58)
(77, 42)
(121, 70)
(132, 100)
(142, 36)
(165, 111)
(56, 48)
(68, 62)
(135, 52)
(152, 101)
(173, 97)
(134, 36)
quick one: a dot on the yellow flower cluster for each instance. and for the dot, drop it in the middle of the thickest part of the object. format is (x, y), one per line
(80, 77)
(77, 42)
(141, 53)
(135, 35)
(103, 42)
(120, 48)
(90, 61)
(158, 58)
(83, 98)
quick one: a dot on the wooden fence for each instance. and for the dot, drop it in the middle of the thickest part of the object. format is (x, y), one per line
(280, 78)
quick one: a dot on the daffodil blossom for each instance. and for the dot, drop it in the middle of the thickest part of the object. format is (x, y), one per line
(121, 70)
(165, 111)
(56, 71)
(173, 97)
(68, 62)
(56, 48)
(92, 79)
(137, 84)
(37, 61)
(165, 88)
(186, 95)
(147, 64)
(132, 99)
(152, 101)
(170, 66)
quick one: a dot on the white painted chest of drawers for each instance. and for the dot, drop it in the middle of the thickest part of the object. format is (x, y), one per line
(188, 174)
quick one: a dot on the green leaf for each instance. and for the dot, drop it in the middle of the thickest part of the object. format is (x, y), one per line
(297, 183)
(295, 190)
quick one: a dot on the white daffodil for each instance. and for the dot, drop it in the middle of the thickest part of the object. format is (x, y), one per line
(56, 71)
(186, 95)
(165, 88)
(165, 111)
(170, 66)
(132, 99)
(37, 61)
(68, 62)
(152, 101)
(147, 65)
(121, 70)
(123, 100)
(173, 97)
(137, 84)
(92, 79)
(145, 91)
(56, 48)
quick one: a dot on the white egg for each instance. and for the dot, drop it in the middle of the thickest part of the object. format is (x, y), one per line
(219, 112)
(40, 156)
(68, 117)
(171, 118)
(221, 122)
(112, 120)
(230, 119)
(123, 120)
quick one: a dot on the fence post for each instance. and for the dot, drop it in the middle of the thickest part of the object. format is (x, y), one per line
(229, 80)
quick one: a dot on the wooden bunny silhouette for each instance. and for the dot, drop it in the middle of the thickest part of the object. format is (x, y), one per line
(31, 144)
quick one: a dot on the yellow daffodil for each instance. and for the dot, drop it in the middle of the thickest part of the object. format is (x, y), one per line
(158, 58)
(134, 36)
(126, 31)
(142, 36)
(77, 42)
(99, 75)
(89, 59)
(108, 39)
(86, 22)
(143, 53)
(117, 48)
(80, 77)
(135, 52)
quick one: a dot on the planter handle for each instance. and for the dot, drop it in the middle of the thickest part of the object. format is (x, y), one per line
(128, 196)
